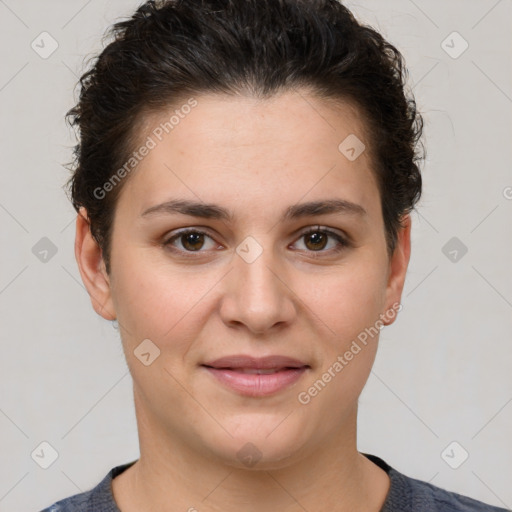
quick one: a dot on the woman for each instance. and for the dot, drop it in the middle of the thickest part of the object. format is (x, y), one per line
(244, 181)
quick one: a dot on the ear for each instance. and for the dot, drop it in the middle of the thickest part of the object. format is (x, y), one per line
(89, 257)
(398, 264)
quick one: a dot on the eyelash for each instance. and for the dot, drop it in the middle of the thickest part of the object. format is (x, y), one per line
(342, 242)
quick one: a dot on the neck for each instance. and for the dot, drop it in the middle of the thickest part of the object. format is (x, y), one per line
(173, 475)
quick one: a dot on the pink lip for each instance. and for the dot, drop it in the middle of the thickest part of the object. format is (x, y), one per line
(230, 371)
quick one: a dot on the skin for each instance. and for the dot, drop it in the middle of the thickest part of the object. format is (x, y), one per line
(296, 299)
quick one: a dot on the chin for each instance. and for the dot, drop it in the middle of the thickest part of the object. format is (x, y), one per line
(261, 443)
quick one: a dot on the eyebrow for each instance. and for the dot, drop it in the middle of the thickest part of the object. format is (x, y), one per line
(296, 211)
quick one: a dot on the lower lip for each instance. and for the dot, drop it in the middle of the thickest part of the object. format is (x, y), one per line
(254, 384)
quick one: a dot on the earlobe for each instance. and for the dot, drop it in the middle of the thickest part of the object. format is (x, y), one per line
(90, 262)
(398, 269)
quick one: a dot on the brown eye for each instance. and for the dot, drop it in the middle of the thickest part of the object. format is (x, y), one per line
(317, 239)
(191, 240)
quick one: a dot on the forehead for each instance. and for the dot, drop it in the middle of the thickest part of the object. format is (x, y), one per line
(276, 149)
(291, 117)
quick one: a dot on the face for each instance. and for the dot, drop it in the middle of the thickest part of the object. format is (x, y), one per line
(248, 279)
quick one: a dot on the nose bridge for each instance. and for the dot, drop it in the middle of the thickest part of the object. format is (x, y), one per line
(256, 266)
(258, 297)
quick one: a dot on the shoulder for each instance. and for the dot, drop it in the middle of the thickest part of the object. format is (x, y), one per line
(97, 499)
(406, 494)
(437, 499)
(77, 502)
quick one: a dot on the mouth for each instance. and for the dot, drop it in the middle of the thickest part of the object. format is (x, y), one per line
(250, 376)
(254, 371)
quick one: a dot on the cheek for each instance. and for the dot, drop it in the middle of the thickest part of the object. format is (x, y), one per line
(347, 301)
(161, 303)
(346, 307)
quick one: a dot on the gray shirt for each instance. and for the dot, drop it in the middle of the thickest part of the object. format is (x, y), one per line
(405, 495)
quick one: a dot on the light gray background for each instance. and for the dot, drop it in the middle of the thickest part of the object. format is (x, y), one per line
(443, 371)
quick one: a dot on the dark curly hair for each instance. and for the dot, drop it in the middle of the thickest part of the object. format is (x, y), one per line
(170, 49)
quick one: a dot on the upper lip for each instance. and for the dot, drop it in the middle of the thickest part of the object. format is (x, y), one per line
(245, 361)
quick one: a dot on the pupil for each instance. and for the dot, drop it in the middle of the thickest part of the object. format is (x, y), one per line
(318, 238)
(191, 239)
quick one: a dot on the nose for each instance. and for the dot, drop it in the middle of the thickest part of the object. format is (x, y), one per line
(258, 294)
